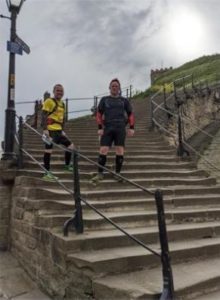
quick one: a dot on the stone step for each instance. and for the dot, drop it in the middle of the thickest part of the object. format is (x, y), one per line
(133, 219)
(94, 140)
(112, 183)
(175, 191)
(128, 174)
(87, 166)
(131, 258)
(139, 135)
(134, 152)
(59, 206)
(95, 143)
(39, 193)
(128, 156)
(189, 282)
(112, 238)
(75, 130)
(111, 158)
(137, 147)
(142, 204)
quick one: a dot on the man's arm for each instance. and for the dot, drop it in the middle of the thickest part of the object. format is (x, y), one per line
(44, 116)
(131, 120)
(99, 120)
(129, 111)
(46, 110)
(99, 117)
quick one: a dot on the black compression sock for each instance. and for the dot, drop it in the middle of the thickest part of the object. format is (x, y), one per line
(102, 161)
(67, 157)
(47, 161)
(118, 163)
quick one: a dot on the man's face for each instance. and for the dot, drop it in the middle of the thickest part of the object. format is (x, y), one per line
(115, 88)
(58, 92)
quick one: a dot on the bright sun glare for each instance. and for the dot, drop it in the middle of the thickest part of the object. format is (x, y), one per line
(185, 31)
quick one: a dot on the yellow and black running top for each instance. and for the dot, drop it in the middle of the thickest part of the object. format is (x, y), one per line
(55, 113)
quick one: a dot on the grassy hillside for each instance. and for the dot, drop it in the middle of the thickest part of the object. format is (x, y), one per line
(204, 69)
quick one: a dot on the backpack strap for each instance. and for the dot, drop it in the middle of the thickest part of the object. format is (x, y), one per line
(55, 107)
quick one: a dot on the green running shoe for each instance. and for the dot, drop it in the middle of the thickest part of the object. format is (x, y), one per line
(98, 177)
(49, 177)
(119, 179)
(68, 168)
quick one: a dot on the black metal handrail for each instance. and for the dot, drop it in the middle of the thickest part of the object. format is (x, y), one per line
(38, 105)
(77, 220)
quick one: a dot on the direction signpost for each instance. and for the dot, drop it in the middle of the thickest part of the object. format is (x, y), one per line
(14, 46)
(22, 44)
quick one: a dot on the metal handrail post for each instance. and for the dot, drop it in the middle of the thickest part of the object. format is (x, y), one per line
(168, 286)
(66, 109)
(77, 220)
(20, 156)
(180, 149)
(130, 92)
(78, 205)
(152, 125)
(164, 97)
(127, 93)
(35, 114)
(96, 103)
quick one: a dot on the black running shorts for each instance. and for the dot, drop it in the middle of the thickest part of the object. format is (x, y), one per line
(113, 135)
(58, 138)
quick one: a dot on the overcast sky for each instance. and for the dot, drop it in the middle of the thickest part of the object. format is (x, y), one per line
(83, 44)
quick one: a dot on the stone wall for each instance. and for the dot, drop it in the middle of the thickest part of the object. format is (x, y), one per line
(41, 252)
(7, 175)
(5, 203)
(212, 154)
(196, 112)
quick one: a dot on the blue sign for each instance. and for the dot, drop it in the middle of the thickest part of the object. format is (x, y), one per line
(14, 48)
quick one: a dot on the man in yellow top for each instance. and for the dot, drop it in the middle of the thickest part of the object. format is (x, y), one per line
(53, 112)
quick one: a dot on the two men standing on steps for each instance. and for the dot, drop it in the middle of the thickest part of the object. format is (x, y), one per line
(113, 114)
(53, 115)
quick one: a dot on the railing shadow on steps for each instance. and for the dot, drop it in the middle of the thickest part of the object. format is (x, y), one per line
(77, 220)
(173, 110)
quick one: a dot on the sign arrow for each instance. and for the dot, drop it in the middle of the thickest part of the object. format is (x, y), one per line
(23, 45)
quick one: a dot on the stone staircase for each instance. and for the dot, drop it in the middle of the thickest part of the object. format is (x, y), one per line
(102, 263)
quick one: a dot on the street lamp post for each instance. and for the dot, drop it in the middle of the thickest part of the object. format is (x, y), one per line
(14, 7)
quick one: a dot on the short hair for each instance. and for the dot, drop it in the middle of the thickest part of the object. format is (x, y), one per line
(57, 85)
(115, 80)
(46, 95)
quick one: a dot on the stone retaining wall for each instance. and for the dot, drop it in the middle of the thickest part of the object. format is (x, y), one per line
(212, 154)
(196, 112)
(5, 203)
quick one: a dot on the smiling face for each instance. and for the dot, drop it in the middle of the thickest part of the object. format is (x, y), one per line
(58, 91)
(115, 88)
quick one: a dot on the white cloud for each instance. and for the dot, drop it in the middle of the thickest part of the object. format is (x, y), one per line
(84, 43)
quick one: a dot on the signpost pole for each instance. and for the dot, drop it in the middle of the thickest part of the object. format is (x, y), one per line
(14, 46)
(10, 110)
